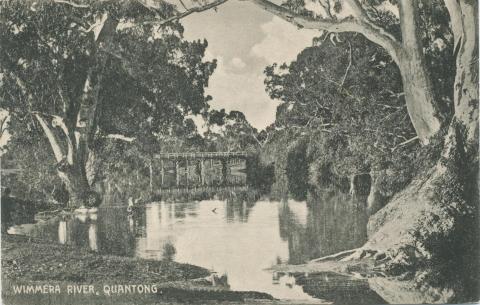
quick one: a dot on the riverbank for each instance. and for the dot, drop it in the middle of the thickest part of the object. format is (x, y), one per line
(106, 279)
(371, 267)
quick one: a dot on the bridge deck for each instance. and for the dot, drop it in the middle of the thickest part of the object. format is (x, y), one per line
(204, 155)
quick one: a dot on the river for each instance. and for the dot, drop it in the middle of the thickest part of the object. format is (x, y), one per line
(235, 237)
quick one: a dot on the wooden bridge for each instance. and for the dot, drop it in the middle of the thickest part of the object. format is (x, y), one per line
(189, 159)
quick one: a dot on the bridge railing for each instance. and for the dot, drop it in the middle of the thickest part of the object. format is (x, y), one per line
(201, 155)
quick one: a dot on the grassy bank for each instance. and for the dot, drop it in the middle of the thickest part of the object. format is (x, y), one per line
(36, 262)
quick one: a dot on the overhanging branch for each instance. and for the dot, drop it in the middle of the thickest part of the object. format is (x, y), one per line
(184, 14)
(120, 137)
(72, 4)
(360, 24)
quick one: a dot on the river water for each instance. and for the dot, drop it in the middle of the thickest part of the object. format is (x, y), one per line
(234, 237)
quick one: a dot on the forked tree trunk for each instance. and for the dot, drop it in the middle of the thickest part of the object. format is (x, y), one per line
(74, 164)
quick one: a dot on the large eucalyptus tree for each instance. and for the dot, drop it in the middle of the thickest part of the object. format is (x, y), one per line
(80, 73)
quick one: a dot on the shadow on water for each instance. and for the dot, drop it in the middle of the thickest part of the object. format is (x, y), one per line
(236, 232)
(327, 224)
(339, 289)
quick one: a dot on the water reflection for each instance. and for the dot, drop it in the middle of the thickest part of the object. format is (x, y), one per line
(330, 223)
(92, 237)
(338, 289)
(236, 234)
(62, 232)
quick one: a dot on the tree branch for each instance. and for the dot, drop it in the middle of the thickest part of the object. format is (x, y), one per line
(455, 12)
(184, 14)
(72, 4)
(183, 4)
(405, 143)
(3, 124)
(361, 25)
(57, 150)
(58, 121)
(349, 64)
(120, 137)
(362, 14)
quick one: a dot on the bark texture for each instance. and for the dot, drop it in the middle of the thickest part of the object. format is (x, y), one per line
(375, 199)
(422, 107)
(464, 20)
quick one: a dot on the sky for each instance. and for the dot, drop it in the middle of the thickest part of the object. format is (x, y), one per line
(245, 39)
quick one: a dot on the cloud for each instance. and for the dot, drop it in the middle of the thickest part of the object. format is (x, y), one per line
(244, 40)
(243, 92)
(238, 63)
(282, 41)
(237, 86)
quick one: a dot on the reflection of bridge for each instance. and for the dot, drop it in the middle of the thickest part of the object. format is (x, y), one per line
(199, 159)
(202, 155)
(202, 189)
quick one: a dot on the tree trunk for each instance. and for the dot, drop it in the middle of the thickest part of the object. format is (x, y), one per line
(79, 175)
(79, 191)
(422, 108)
(419, 98)
(150, 172)
(464, 21)
(79, 126)
(375, 199)
(444, 201)
(352, 190)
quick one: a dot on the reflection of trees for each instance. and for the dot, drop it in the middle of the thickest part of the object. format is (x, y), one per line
(114, 234)
(338, 289)
(77, 232)
(335, 222)
(182, 209)
(169, 251)
(294, 232)
(239, 204)
(238, 210)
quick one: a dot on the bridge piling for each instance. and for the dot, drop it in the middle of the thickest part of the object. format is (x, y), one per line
(212, 160)
(186, 171)
(202, 172)
(177, 172)
(224, 171)
(162, 172)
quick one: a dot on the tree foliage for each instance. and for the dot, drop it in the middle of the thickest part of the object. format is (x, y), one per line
(347, 101)
(231, 132)
(84, 74)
